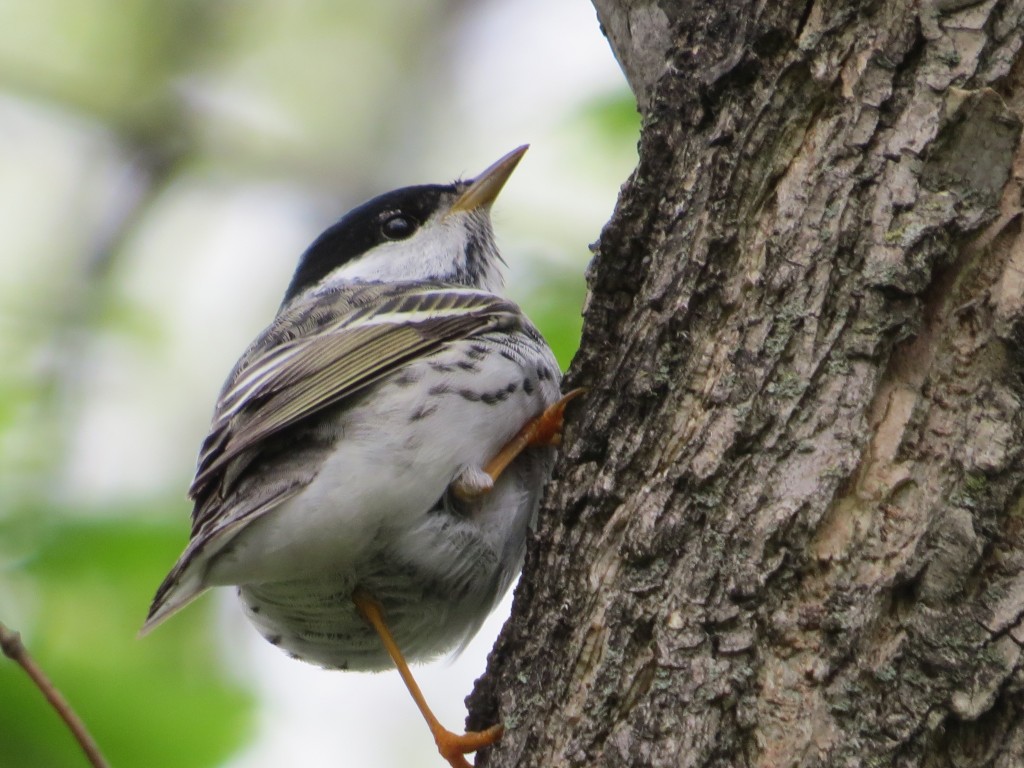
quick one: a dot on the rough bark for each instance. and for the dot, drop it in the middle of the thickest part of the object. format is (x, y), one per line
(787, 526)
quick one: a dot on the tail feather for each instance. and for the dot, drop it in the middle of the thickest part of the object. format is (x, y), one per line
(180, 588)
(187, 579)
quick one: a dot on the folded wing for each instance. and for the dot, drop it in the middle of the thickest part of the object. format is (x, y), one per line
(315, 355)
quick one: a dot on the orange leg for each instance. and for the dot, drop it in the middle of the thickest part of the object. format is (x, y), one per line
(546, 429)
(452, 746)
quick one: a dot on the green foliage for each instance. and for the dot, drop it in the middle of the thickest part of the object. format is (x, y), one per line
(106, 57)
(611, 119)
(554, 306)
(78, 591)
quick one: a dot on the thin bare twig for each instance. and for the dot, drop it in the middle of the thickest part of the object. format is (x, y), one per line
(13, 648)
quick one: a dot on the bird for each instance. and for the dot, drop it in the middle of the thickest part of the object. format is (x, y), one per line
(377, 455)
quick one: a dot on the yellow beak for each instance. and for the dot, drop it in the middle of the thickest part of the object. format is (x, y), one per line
(485, 187)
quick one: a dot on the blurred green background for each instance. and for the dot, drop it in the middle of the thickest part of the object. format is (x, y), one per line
(162, 165)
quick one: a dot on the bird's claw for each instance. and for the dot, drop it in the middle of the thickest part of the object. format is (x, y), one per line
(454, 746)
(546, 429)
(473, 482)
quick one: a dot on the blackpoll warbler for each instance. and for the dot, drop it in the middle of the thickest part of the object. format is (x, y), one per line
(378, 453)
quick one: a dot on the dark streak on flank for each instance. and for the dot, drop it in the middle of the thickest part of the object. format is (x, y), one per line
(422, 412)
(406, 378)
(490, 398)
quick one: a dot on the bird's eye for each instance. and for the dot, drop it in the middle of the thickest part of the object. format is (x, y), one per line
(397, 227)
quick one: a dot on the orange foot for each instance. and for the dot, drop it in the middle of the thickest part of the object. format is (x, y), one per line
(545, 429)
(453, 746)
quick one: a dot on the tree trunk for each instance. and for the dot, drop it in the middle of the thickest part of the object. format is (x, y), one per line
(787, 525)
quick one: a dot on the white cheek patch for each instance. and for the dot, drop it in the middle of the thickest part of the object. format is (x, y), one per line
(429, 253)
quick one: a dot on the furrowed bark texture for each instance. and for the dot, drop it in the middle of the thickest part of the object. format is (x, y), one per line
(787, 526)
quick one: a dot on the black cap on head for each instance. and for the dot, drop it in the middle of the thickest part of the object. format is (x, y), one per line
(392, 216)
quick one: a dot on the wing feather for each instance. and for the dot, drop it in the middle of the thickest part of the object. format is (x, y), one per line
(287, 377)
(317, 353)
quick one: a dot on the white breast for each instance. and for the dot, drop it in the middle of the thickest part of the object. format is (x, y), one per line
(399, 448)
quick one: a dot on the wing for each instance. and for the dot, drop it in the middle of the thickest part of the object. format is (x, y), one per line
(328, 349)
(315, 354)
